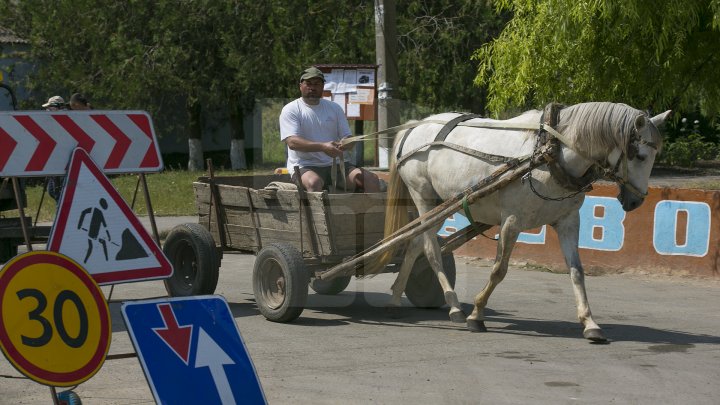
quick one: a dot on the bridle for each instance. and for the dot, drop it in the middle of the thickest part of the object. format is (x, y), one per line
(617, 173)
(632, 151)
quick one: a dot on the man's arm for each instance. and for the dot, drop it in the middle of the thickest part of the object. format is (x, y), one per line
(298, 143)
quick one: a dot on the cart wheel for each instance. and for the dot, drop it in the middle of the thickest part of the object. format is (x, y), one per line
(8, 250)
(330, 287)
(68, 398)
(191, 251)
(423, 288)
(280, 282)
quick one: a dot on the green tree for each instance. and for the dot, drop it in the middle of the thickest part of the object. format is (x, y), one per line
(197, 61)
(436, 41)
(650, 54)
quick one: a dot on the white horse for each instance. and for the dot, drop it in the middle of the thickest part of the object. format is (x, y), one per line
(616, 137)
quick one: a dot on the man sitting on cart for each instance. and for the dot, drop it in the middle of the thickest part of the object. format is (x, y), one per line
(312, 128)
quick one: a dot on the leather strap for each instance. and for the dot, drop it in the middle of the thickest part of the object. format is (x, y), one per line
(445, 131)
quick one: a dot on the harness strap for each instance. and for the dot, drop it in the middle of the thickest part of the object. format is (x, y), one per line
(445, 131)
(468, 151)
(440, 137)
(406, 135)
(468, 215)
(333, 173)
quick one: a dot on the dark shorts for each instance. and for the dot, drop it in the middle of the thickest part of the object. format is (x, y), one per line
(325, 173)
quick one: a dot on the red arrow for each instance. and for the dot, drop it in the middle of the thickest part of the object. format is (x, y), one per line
(8, 146)
(45, 147)
(122, 142)
(83, 139)
(175, 336)
(142, 121)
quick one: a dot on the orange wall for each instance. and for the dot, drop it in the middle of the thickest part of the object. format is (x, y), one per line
(675, 230)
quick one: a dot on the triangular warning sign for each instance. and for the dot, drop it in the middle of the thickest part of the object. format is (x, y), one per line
(95, 227)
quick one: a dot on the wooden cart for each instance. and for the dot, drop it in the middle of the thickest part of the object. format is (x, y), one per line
(295, 235)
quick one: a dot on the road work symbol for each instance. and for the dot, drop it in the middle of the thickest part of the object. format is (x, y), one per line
(130, 247)
(191, 351)
(95, 227)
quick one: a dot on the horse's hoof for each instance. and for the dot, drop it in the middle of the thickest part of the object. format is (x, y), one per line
(595, 335)
(476, 326)
(457, 316)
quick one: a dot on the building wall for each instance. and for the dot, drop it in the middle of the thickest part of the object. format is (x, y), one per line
(675, 231)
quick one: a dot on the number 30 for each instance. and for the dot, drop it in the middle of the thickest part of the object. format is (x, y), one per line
(36, 315)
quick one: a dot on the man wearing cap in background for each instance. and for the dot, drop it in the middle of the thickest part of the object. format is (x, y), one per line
(55, 103)
(55, 183)
(79, 102)
(312, 128)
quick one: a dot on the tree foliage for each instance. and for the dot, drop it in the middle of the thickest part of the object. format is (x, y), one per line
(651, 54)
(436, 41)
(195, 61)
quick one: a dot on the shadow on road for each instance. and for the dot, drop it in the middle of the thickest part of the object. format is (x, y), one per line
(369, 308)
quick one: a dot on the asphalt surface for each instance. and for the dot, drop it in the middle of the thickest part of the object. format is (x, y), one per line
(664, 344)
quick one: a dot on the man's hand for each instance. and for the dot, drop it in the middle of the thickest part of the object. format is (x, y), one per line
(332, 149)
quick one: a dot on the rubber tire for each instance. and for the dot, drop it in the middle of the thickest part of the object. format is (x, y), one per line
(191, 251)
(8, 250)
(423, 288)
(69, 398)
(330, 287)
(274, 264)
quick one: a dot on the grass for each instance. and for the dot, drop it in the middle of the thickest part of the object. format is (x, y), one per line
(171, 194)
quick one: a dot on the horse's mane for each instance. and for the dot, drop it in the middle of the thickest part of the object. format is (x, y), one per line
(597, 128)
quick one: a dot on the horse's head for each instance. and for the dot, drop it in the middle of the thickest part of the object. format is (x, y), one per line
(633, 164)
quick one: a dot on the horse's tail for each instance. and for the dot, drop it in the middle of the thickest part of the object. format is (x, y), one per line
(396, 212)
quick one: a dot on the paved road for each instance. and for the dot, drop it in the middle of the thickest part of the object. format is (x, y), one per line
(665, 345)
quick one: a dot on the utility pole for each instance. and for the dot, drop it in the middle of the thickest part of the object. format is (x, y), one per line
(387, 76)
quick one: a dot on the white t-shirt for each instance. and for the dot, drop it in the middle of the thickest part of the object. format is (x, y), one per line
(318, 123)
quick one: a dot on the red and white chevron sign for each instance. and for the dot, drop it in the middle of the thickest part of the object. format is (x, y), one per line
(39, 143)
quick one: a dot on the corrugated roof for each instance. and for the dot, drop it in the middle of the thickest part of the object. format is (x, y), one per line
(7, 36)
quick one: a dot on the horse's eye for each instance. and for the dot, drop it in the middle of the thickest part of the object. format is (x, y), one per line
(640, 157)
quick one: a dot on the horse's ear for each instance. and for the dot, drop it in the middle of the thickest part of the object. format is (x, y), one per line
(640, 122)
(659, 120)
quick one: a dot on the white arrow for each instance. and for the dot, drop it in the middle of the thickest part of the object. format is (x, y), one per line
(210, 355)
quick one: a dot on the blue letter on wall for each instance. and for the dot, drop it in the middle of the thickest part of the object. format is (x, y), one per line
(610, 224)
(457, 221)
(697, 231)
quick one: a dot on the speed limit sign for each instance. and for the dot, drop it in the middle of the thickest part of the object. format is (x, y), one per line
(54, 320)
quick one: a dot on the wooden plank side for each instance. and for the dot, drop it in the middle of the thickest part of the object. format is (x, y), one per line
(357, 220)
(256, 182)
(358, 202)
(354, 223)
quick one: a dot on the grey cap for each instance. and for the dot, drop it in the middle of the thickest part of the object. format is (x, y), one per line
(311, 73)
(54, 101)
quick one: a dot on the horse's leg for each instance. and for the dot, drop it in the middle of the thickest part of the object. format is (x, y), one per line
(434, 257)
(432, 252)
(413, 250)
(567, 230)
(509, 233)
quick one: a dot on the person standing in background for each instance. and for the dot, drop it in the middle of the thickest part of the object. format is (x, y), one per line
(55, 183)
(79, 102)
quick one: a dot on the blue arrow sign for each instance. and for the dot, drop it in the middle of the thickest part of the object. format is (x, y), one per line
(191, 351)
